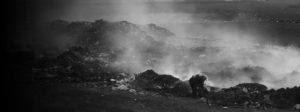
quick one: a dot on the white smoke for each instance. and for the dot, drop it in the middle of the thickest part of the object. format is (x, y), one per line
(226, 54)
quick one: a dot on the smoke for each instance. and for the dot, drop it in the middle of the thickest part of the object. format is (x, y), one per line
(228, 53)
(227, 46)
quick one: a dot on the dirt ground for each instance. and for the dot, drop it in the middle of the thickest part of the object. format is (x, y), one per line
(74, 98)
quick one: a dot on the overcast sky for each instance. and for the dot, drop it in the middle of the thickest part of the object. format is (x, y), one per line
(96, 9)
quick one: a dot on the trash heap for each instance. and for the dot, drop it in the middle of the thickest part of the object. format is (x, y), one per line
(246, 94)
(161, 83)
(285, 98)
(92, 53)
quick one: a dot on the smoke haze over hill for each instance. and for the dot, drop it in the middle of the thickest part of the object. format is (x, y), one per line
(227, 48)
(229, 43)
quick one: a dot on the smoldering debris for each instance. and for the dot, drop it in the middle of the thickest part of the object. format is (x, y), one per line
(226, 57)
(118, 55)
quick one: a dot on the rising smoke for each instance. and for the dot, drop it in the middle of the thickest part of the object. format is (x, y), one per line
(229, 49)
(228, 53)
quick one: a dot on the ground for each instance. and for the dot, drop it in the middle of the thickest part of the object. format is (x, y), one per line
(71, 97)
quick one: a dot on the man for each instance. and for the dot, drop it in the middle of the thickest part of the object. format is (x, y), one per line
(197, 85)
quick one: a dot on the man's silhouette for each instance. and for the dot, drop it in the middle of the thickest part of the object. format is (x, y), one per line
(197, 85)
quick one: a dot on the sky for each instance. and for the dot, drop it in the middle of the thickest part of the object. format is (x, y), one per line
(94, 9)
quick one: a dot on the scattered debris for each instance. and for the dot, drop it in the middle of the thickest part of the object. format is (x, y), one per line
(120, 87)
(132, 91)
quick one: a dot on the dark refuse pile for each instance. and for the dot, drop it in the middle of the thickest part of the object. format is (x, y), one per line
(163, 84)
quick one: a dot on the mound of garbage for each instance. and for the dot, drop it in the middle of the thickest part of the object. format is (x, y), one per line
(94, 49)
(161, 83)
(254, 95)
(243, 94)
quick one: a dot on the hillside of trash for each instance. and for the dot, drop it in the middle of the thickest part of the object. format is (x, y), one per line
(93, 60)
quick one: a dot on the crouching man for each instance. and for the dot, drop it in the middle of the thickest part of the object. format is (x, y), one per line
(197, 85)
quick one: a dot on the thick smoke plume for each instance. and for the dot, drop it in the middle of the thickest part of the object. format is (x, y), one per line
(228, 53)
(230, 47)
